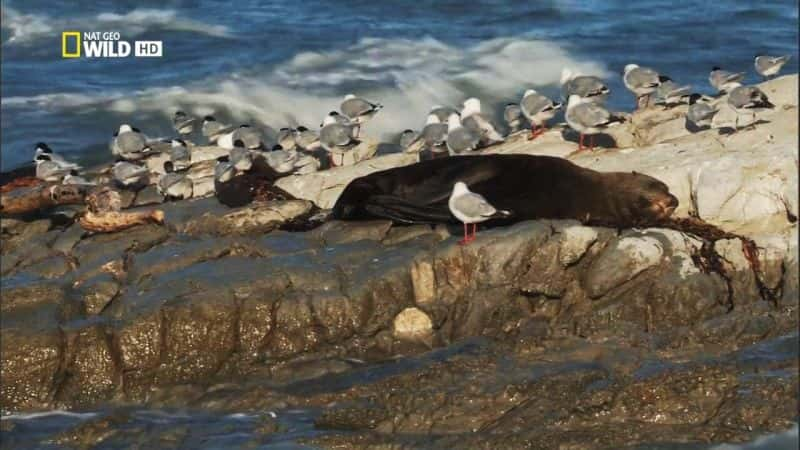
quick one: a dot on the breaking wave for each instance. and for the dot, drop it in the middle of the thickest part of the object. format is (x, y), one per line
(407, 76)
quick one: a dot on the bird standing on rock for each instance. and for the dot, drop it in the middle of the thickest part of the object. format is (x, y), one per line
(49, 170)
(584, 86)
(471, 117)
(748, 99)
(180, 155)
(769, 66)
(183, 123)
(129, 143)
(128, 174)
(538, 109)
(335, 137)
(471, 208)
(434, 133)
(587, 117)
(723, 81)
(460, 139)
(670, 93)
(700, 114)
(359, 111)
(213, 130)
(174, 185)
(642, 81)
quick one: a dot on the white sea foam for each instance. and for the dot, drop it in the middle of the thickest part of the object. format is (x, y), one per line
(406, 76)
(24, 28)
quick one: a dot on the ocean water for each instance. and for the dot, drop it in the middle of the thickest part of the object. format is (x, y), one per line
(287, 63)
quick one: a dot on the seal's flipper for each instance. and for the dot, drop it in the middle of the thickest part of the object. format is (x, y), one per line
(403, 211)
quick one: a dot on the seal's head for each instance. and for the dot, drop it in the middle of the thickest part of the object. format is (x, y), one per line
(645, 199)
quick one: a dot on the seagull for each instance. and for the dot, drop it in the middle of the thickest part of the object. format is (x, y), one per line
(129, 143)
(587, 117)
(174, 185)
(408, 137)
(339, 118)
(584, 86)
(512, 114)
(42, 148)
(434, 133)
(699, 115)
(335, 137)
(223, 170)
(642, 81)
(180, 155)
(280, 160)
(769, 66)
(250, 137)
(460, 139)
(723, 81)
(240, 157)
(471, 117)
(471, 208)
(669, 93)
(73, 178)
(358, 110)
(49, 170)
(443, 112)
(183, 123)
(306, 139)
(212, 129)
(285, 138)
(129, 174)
(745, 99)
(538, 109)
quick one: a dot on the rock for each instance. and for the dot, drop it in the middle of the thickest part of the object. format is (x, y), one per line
(340, 232)
(412, 325)
(621, 262)
(67, 239)
(148, 196)
(575, 240)
(97, 292)
(323, 188)
(254, 218)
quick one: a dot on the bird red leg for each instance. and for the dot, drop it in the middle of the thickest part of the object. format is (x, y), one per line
(533, 131)
(580, 143)
(474, 231)
(330, 159)
(465, 240)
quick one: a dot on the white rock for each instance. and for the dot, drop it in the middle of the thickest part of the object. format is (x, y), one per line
(412, 324)
(574, 242)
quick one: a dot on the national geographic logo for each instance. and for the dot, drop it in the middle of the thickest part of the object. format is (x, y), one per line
(107, 44)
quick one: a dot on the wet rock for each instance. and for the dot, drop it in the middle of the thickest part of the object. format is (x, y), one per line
(574, 242)
(340, 232)
(67, 239)
(97, 292)
(92, 373)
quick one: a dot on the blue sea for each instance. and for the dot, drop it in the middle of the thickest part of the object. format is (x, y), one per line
(285, 63)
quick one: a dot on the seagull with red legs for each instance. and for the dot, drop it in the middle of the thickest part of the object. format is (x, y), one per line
(538, 109)
(588, 118)
(471, 209)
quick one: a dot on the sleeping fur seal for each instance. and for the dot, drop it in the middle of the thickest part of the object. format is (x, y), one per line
(531, 187)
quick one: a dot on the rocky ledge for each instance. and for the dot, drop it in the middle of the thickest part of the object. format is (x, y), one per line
(544, 334)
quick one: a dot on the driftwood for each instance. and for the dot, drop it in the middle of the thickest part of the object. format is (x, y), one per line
(111, 221)
(26, 200)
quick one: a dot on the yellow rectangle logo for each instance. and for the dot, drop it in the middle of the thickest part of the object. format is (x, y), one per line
(64, 38)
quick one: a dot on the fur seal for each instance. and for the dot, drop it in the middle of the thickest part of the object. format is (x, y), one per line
(530, 187)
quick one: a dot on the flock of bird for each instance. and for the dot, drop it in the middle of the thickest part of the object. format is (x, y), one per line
(447, 130)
